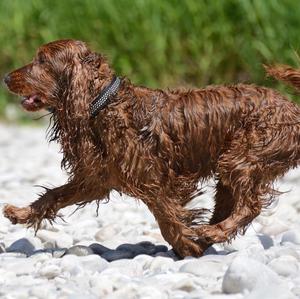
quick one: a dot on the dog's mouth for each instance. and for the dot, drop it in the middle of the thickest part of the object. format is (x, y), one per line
(32, 103)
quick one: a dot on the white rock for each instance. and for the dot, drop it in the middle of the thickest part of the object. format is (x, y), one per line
(270, 291)
(105, 233)
(127, 267)
(291, 236)
(148, 292)
(285, 265)
(144, 260)
(245, 274)
(128, 291)
(50, 271)
(101, 285)
(287, 251)
(71, 263)
(93, 263)
(57, 239)
(202, 268)
(242, 242)
(43, 291)
(161, 264)
(19, 267)
(275, 228)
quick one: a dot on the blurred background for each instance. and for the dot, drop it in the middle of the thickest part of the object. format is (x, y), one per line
(157, 43)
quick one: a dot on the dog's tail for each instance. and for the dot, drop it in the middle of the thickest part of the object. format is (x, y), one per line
(285, 73)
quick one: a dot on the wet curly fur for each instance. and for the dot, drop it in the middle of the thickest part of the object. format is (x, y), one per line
(157, 145)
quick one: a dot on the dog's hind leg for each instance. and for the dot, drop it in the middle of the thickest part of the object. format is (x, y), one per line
(239, 199)
(224, 203)
(246, 171)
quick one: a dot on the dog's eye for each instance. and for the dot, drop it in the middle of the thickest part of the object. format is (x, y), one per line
(41, 59)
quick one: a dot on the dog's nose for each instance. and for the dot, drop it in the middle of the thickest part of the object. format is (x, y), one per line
(6, 79)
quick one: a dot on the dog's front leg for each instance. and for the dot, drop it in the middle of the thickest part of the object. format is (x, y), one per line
(47, 206)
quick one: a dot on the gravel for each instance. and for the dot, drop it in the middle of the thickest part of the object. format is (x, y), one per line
(121, 254)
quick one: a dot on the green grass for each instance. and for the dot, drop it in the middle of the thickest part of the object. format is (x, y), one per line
(159, 43)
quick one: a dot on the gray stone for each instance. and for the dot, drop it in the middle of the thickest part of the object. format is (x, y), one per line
(22, 246)
(266, 241)
(170, 254)
(137, 249)
(113, 255)
(98, 248)
(161, 248)
(150, 247)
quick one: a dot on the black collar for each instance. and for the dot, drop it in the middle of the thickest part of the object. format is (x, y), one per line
(103, 98)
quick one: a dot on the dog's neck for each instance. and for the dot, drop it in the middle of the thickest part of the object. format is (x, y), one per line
(104, 97)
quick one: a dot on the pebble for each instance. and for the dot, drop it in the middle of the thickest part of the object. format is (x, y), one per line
(105, 233)
(285, 265)
(113, 255)
(67, 259)
(79, 250)
(266, 241)
(98, 248)
(201, 267)
(50, 271)
(21, 246)
(70, 263)
(291, 236)
(125, 267)
(170, 254)
(93, 263)
(244, 274)
(161, 264)
(2, 248)
(56, 239)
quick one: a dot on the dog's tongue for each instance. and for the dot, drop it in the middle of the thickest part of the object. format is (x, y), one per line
(30, 99)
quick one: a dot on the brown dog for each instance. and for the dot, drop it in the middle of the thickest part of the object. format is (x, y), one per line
(157, 145)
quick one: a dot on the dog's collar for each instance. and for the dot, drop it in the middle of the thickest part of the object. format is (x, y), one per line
(103, 98)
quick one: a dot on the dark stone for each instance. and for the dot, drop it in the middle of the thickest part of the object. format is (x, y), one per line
(135, 249)
(98, 248)
(170, 254)
(161, 248)
(266, 241)
(113, 255)
(79, 250)
(22, 246)
(150, 247)
(210, 250)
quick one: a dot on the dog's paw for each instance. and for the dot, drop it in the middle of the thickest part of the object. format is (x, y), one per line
(211, 234)
(17, 215)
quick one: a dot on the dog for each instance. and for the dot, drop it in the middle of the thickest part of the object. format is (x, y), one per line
(157, 145)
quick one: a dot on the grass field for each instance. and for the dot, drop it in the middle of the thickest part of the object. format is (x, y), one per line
(159, 43)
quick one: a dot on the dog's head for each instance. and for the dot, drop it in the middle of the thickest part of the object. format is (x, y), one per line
(59, 68)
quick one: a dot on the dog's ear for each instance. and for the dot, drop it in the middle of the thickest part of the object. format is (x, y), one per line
(93, 59)
(98, 64)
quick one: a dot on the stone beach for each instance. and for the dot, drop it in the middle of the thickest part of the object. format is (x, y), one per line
(120, 253)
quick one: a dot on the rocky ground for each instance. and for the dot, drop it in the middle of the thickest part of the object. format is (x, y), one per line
(60, 262)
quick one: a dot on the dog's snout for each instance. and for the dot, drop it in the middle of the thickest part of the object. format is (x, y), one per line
(7, 79)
